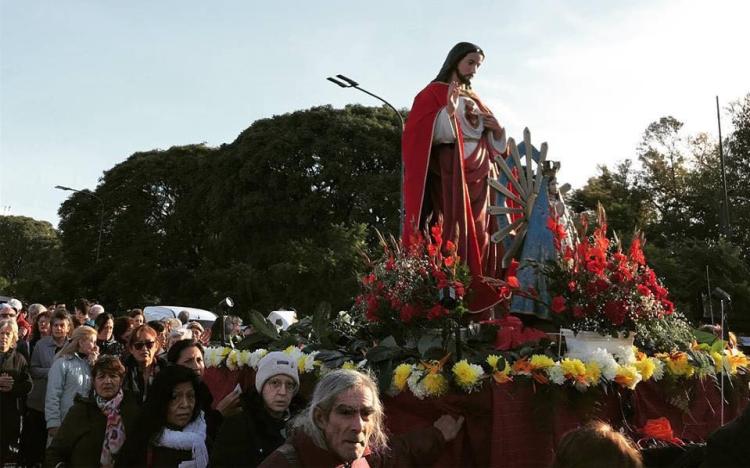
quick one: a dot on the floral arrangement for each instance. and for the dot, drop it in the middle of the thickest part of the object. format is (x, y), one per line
(594, 285)
(415, 284)
(433, 378)
(234, 359)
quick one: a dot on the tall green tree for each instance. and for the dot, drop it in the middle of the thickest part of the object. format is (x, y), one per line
(29, 259)
(275, 218)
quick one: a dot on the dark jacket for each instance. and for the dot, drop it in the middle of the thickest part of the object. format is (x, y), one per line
(417, 448)
(728, 445)
(246, 439)
(13, 364)
(133, 381)
(79, 440)
(111, 347)
(156, 457)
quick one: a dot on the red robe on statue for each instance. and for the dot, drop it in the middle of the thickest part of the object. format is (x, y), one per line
(438, 180)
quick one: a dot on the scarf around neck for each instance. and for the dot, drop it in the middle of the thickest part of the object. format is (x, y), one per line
(114, 433)
(192, 437)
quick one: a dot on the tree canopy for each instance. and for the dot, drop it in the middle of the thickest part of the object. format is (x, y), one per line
(675, 196)
(276, 218)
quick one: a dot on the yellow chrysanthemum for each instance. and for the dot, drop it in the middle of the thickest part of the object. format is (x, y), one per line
(736, 360)
(435, 384)
(678, 364)
(467, 375)
(645, 368)
(593, 373)
(718, 360)
(349, 365)
(627, 376)
(400, 375)
(492, 360)
(573, 369)
(540, 361)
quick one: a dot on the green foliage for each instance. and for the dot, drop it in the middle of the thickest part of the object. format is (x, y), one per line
(275, 219)
(675, 197)
(29, 259)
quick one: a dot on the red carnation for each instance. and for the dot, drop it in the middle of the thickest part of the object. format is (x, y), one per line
(432, 250)
(449, 261)
(668, 306)
(436, 312)
(450, 247)
(558, 304)
(408, 312)
(643, 290)
(616, 312)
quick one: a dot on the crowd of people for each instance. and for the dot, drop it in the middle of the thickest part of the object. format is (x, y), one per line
(89, 389)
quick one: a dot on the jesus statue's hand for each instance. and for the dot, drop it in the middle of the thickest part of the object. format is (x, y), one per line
(491, 122)
(453, 92)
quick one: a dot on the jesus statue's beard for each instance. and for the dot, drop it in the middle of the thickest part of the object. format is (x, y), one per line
(463, 78)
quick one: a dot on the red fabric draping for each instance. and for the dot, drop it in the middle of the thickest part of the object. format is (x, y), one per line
(518, 424)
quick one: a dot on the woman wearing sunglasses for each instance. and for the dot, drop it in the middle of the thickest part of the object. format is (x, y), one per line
(143, 362)
(70, 375)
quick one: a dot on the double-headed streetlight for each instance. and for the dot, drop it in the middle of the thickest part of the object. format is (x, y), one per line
(346, 82)
(101, 213)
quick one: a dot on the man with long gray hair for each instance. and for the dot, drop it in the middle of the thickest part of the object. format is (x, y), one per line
(344, 425)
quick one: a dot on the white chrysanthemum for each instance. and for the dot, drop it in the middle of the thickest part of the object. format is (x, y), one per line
(556, 374)
(308, 363)
(415, 384)
(658, 369)
(214, 356)
(255, 357)
(606, 363)
(624, 355)
(294, 352)
(233, 359)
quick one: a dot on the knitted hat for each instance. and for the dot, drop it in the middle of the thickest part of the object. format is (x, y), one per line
(275, 363)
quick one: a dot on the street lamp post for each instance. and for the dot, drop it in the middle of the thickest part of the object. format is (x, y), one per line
(101, 213)
(346, 82)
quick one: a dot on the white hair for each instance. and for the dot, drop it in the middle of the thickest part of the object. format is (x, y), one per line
(95, 311)
(178, 335)
(326, 394)
(10, 323)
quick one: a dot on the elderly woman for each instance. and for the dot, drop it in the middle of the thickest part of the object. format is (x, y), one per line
(15, 383)
(70, 375)
(260, 429)
(142, 363)
(95, 428)
(105, 339)
(171, 429)
(188, 353)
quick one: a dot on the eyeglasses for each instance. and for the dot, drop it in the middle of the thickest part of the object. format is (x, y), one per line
(276, 385)
(140, 344)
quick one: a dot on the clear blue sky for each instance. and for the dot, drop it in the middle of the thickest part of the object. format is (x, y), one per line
(84, 84)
